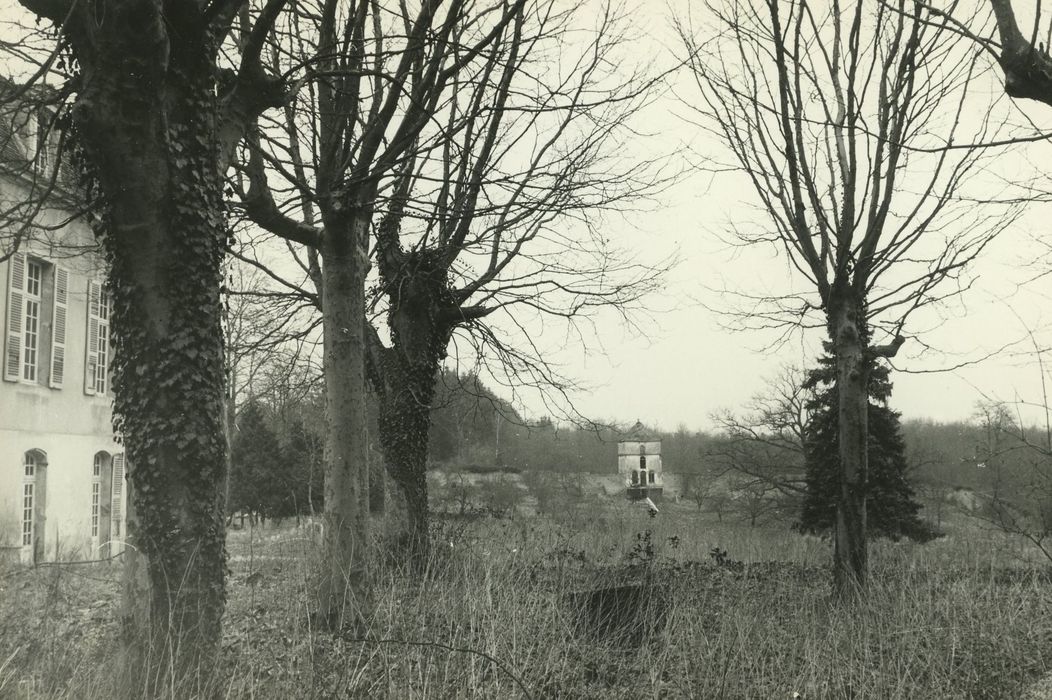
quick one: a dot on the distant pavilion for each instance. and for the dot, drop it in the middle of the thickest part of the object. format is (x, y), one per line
(639, 462)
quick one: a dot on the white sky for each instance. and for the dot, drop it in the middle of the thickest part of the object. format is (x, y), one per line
(687, 366)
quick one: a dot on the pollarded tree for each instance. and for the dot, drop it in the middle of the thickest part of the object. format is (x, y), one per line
(1027, 67)
(155, 114)
(479, 227)
(838, 116)
(505, 135)
(1024, 58)
(891, 510)
(371, 77)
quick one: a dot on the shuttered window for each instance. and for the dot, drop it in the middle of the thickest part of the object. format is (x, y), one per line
(37, 294)
(58, 328)
(94, 370)
(99, 349)
(117, 489)
(16, 301)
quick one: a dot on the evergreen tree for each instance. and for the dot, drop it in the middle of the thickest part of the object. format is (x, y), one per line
(303, 450)
(891, 510)
(258, 478)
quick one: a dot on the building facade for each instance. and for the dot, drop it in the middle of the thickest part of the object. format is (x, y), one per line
(639, 464)
(61, 471)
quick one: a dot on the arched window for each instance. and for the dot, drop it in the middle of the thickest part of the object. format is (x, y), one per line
(642, 462)
(29, 483)
(643, 476)
(34, 463)
(635, 479)
(642, 448)
(651, 476)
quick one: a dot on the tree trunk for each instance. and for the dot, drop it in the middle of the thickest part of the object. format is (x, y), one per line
(405, 424)
(410, 370)
(344, 596)
(405, 375)
(162, 225)
(377, 486)
(850, 550)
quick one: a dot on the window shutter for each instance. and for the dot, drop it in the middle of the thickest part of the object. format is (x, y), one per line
(16, 284)
(116, 494)
(58, 328)
(91, 355)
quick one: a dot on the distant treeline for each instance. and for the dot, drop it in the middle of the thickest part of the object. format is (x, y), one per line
(475, 431)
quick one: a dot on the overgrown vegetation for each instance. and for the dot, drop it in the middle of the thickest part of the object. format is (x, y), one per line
(746, 613)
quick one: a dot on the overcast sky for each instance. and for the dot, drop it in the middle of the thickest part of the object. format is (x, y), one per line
(681, 364)
(686, 364)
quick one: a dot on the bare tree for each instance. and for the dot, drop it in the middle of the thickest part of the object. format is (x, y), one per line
(765, 443)
(1025, 61)
(1017, 462)
(155, 110)
(1023, 58)
(759, 453)
(371, 78)
(271, 354)
(536, 156)
(757, 500)
(497, 160)
(838, 116)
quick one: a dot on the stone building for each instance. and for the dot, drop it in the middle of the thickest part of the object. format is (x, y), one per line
(61, 471)
(639, 463)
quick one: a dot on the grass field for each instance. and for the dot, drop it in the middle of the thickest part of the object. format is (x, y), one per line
(506, 611)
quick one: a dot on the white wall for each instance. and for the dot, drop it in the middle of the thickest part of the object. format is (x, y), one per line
(67, 490)
(628, 454)
(69, 426)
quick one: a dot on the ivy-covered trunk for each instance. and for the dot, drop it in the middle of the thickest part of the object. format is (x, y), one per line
(405, 426)
(344, 598)
(847, 328)
(163, 230)
(421, 319)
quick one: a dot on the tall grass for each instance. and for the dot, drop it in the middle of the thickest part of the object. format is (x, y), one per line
(495, 616)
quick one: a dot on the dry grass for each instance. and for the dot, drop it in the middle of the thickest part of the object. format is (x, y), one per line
(964, 617)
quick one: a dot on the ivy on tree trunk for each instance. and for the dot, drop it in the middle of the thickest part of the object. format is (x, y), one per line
(163, 231)
(404, 376)
(155, 122)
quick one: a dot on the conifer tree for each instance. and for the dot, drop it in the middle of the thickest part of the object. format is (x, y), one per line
(259, 480)
(891, 510)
